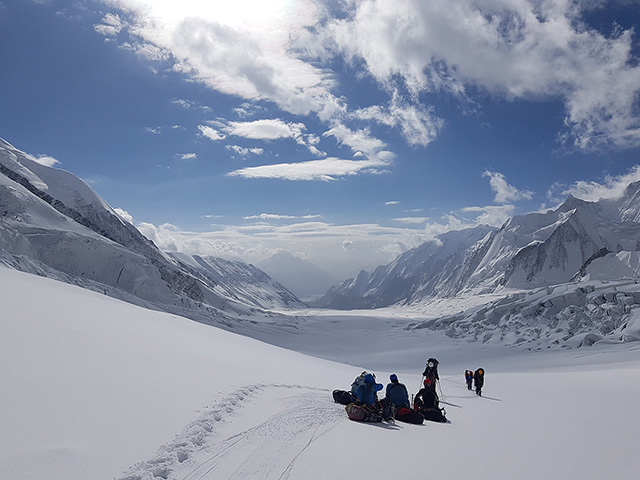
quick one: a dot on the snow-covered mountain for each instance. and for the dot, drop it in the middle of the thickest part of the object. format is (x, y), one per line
(528, 252)
(301, 276)
(240, 281)
(432, 268)
(53, 224)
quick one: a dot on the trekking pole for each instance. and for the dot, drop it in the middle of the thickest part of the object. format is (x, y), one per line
(440, 388)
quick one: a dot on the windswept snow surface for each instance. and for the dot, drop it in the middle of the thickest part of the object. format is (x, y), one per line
(94, 388)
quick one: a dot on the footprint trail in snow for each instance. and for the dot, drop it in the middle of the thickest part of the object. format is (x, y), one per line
(276, 424)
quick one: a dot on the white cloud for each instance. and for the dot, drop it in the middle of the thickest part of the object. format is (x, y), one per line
(340, 249)
(343, 250)
(241, 48)
(361, 142)
(211, 133)
(412, 220)
(282, 51)
(124, 215)
(188, 156)
(274, 216)
(611, 187)
(269, 129)
(392, 202)
(418, 123)
(514, 49)
(243, 151)
(188, 104)
(493, 215)
(111, 25)
(264, 129)
(46, 160)
(326, 169)
(505, 193)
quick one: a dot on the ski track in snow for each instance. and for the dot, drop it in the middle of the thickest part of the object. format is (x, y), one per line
(268, 449)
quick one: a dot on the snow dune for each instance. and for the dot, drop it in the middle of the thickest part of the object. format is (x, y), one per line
(94, 388)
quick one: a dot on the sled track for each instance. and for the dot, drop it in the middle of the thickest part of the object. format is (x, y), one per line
(267, 450)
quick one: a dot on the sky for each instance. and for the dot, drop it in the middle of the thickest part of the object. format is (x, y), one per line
(103, 389)
(345, 132)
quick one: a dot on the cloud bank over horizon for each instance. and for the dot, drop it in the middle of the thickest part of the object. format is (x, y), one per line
(346, 249)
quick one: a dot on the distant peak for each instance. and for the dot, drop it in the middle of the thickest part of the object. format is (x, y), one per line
(571, 203)
(632, 190)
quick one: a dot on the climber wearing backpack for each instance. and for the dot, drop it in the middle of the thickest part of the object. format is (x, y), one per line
(366, 408)
(396, 392)
(357, 382)
(468, 376)
(366, 391)
(426, 402)
(396, 403)
(478, 379)
(431, 372)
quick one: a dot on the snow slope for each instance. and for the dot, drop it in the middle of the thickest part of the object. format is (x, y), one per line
(94, 388)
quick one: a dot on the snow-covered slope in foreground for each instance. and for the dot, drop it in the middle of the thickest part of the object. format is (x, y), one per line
(94, 388)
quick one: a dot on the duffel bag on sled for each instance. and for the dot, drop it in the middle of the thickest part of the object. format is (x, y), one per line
(407, 415)
(361, 413)
(433, 414)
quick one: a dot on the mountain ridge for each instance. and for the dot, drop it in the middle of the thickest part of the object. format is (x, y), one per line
(527, 252)
(54, 224)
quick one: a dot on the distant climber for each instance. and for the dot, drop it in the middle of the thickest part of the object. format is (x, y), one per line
(468, 376)
(478, 380)
(431, 372)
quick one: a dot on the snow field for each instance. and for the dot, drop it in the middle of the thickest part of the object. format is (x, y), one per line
(100, 389)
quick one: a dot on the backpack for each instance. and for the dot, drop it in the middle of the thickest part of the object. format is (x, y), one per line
(434, 414)
(431, 369)
(343, 397)
(407, 415)
(358, 382)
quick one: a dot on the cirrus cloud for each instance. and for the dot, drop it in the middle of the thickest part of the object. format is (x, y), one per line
(325, 170)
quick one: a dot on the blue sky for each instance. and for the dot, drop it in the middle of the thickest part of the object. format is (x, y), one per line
(345, 132)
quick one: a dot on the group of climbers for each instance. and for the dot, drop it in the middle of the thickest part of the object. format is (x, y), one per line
(476, 378)
(362, 403)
